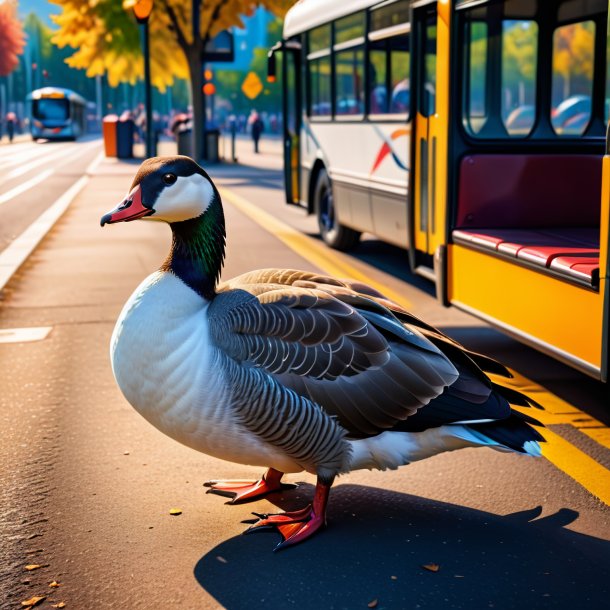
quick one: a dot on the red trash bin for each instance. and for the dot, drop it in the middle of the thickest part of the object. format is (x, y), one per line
(109, 129)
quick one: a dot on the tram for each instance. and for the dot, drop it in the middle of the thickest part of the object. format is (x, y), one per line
(473, 134)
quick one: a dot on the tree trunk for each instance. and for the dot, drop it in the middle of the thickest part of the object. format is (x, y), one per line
(196, 74)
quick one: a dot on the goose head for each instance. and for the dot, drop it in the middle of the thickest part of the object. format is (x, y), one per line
(167, 189)
(177, 191)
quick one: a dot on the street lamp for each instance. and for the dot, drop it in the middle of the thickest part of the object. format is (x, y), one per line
(142, 10)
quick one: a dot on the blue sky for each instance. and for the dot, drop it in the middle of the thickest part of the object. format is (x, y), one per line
(43, 8)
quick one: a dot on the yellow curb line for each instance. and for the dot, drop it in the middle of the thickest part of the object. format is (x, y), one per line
(561, 453)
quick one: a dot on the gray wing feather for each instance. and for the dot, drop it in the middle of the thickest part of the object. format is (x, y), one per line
(341, 349)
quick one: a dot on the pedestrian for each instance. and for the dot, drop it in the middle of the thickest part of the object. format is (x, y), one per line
(256, 127)
(11, 120)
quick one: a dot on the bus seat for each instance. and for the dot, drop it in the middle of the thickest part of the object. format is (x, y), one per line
(581, 267)
(544, 255)
(560, 251)
(543, 210)
(528, 191)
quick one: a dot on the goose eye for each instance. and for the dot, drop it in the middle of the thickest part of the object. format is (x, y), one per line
(169, 178)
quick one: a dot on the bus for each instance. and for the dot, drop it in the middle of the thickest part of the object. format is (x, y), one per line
(471, 133)
(56, 114)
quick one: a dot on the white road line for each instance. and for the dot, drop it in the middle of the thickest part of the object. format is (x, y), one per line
(65, 152)
(20, 249)
(25, 186)
(92, 167)
(24, 335)
(35, 151)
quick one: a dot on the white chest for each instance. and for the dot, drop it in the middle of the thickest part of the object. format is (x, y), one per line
(162, 359)
(170, 372)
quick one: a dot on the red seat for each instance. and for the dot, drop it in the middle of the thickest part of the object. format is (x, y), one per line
(544, 255)
(549, 251)
(543, 210)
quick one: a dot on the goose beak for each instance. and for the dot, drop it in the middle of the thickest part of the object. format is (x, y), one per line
(131, 208)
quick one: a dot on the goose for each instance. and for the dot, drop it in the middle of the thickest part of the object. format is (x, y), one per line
(290, 370)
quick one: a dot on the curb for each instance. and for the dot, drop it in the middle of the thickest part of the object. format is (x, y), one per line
(13, 257)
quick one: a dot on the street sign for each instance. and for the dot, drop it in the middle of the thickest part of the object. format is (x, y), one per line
(252, 85)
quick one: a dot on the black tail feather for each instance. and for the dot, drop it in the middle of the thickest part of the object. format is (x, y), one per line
(515, 397)
(512, 432)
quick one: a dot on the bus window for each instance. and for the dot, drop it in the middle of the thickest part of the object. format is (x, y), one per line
(519, 59)
(318, 66)
(476, 103)
(51, 109)
(319, 84)
(428, 91)
(389, 61)
(573, 51)
(349, 81)
(349, 64)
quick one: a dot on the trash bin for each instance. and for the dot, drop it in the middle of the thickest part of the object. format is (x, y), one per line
(124, 138)
(184, 140)
(109, 129)
(211, 145)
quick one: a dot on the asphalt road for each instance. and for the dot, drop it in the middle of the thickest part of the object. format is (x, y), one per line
(87, 485)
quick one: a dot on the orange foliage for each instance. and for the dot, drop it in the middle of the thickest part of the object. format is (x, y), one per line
(12, 39)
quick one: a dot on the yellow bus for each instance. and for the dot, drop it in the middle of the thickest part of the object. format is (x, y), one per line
(473, 134)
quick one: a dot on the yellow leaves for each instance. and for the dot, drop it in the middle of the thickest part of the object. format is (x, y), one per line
(106, 38)
(59, 605)
(54, 584)
(33, 566)
(33, 601)
(175, 511)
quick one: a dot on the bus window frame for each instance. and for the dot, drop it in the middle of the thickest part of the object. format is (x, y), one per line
(363, 42)
(542, 134)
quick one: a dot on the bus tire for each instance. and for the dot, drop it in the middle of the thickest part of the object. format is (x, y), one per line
(332, 232)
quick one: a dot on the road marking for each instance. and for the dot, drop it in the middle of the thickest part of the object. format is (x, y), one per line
(92, 167)
(25, 186)
(35, 151)
(24, 335)
(310, 249)
(20, 249)
(571, 460)
(55, 156)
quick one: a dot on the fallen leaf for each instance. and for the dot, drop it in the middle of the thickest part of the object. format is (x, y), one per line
(221, 559)
(431, 567)
(54, 584)
(373, 603)
(34, 551)
(125, 452)
(175, 511)
(33, 601)
(60, 605)
(33, 566)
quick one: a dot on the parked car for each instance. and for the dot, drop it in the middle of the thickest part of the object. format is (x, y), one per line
(572, 115)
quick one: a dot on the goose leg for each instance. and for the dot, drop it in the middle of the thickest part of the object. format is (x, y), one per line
(242, 491)
(296, 526)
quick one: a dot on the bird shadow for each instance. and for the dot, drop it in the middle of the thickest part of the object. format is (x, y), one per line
(376, 547)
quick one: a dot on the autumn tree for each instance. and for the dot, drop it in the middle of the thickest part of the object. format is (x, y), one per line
(11, 37)
(106, 40)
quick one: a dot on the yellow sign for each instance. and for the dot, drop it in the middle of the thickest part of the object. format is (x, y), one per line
(252, 85)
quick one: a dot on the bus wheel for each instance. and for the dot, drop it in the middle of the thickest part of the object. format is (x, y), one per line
(333, 233)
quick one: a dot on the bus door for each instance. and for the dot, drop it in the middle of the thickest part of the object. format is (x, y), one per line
(291, 101)
(425, 142)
